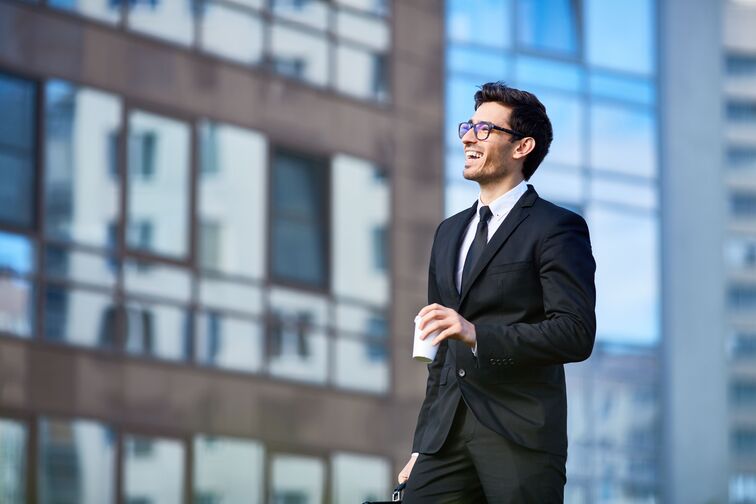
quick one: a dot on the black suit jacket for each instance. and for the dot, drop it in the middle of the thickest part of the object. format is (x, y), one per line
(531, 297)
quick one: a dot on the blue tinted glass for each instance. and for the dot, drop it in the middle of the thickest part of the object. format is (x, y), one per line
(482, 63)
(486, 22)
(548, 73)
(567, 115)
(17, 98)
(548, 25)
(16, 253)
(629, 314)
(623, 139)
(620, 34)
(622, 88)
(460, 106)
(741, 111)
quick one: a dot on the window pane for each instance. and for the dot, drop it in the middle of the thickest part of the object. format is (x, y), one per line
(157, 330)
(362, 364)
(17, 150)
(642, 195)
(79, 266)
(549, 25)
(299, 55)
(231, 33)
(620, 87)
(460, 106)
(741, 158)
(153, 470)
(232, 296)
(298, 247)
(567, 115)
(229, 342)
(101, 10)
(232, 200)
(635, 20)
(80, 317)
(172, 21)
(12, 462)
(16, 254)
(81, 172)
(545, 72)
(76, 462)
(16, 293)
(158, 184)
(560, 184)
(362, 73)
(623, 140)
(488, 24)
(630, 314)
(380, 7)
(367, 30)
(360, 478)
(151, 279)
(297, 480)
(296, 339)
(487, 65)
(360, 220)
(458, 196)
(309, 12)
(228, 470)
(740, 253)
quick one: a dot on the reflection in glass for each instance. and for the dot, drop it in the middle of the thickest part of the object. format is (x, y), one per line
(546, 72)
(16, 299)
(76, 462)
(635, 50)
(170, 20)
(367, 30)
(228, 470)
(79, 266)
(313, 13)
(362, 364)
(80, 317)
(161, 280)
(12, 462)
(231, 33)
(101, 10)
(229, 295)
(229, 342)
(153, 470)
(630, 314)
(380, 7)
(740, 253)
(232, 200)
(296, 479)
(360, 220)
(488, 24)
(362, 74)
(623, 140)
(360, 478)
(610, 85)
(16, 254)
(299, 55)
(548, 25)
(17, 146)
(157, 330)
(295, 339)
(158, 160)
(487, 65)
(81, 171)
(298, 245)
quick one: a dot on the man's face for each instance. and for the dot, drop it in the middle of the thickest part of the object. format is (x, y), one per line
(493, 158)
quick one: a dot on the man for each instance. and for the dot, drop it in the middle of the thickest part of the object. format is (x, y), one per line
(511, 292)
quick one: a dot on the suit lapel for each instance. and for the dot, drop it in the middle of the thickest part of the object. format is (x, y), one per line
(451, 251)
(515, 217)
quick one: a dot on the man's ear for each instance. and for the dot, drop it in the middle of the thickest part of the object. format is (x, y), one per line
(524, 147)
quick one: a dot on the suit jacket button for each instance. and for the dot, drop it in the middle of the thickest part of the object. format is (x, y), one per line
(461, 373)
(492, 361)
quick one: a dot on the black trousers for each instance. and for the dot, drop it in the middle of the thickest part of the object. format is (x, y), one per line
(478, 465)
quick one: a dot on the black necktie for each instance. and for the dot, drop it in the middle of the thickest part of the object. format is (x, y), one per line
(478, 244)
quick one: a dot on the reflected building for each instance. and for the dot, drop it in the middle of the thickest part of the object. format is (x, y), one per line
(213, 239)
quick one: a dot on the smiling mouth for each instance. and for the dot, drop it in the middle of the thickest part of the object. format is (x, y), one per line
(470, 155)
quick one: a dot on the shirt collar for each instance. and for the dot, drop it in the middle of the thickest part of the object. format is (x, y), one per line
(504, 203)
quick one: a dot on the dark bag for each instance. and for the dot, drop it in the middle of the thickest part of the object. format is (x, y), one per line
(395, 497)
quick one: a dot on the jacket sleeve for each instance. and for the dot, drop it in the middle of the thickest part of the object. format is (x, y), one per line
(567, 269)
(434, 368)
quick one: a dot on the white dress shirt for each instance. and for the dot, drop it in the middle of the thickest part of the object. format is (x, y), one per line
(500, 208)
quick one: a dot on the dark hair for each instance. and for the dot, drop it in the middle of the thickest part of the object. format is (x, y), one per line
(528, 117)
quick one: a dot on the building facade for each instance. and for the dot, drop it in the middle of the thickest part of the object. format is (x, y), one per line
(214, 236)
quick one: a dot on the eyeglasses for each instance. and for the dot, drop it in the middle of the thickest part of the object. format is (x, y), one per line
(483, 128)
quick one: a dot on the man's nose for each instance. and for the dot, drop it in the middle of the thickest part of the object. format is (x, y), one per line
(469, 137)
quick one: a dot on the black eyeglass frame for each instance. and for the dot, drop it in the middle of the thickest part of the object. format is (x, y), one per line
(474, 127)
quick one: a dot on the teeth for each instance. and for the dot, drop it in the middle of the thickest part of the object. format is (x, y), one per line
(473, 155)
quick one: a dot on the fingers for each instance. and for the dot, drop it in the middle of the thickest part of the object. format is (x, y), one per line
(451, 331)
(430, 307)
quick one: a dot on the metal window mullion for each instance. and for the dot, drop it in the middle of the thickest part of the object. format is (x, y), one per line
(38, 325)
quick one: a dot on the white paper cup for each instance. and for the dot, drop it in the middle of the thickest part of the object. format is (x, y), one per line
(423, 350)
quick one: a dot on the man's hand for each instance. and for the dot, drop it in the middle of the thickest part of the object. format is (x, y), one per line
(404, 474)
(451, 324)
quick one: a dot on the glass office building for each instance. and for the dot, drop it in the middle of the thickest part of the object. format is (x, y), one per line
(209, 247)
(594, 66)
